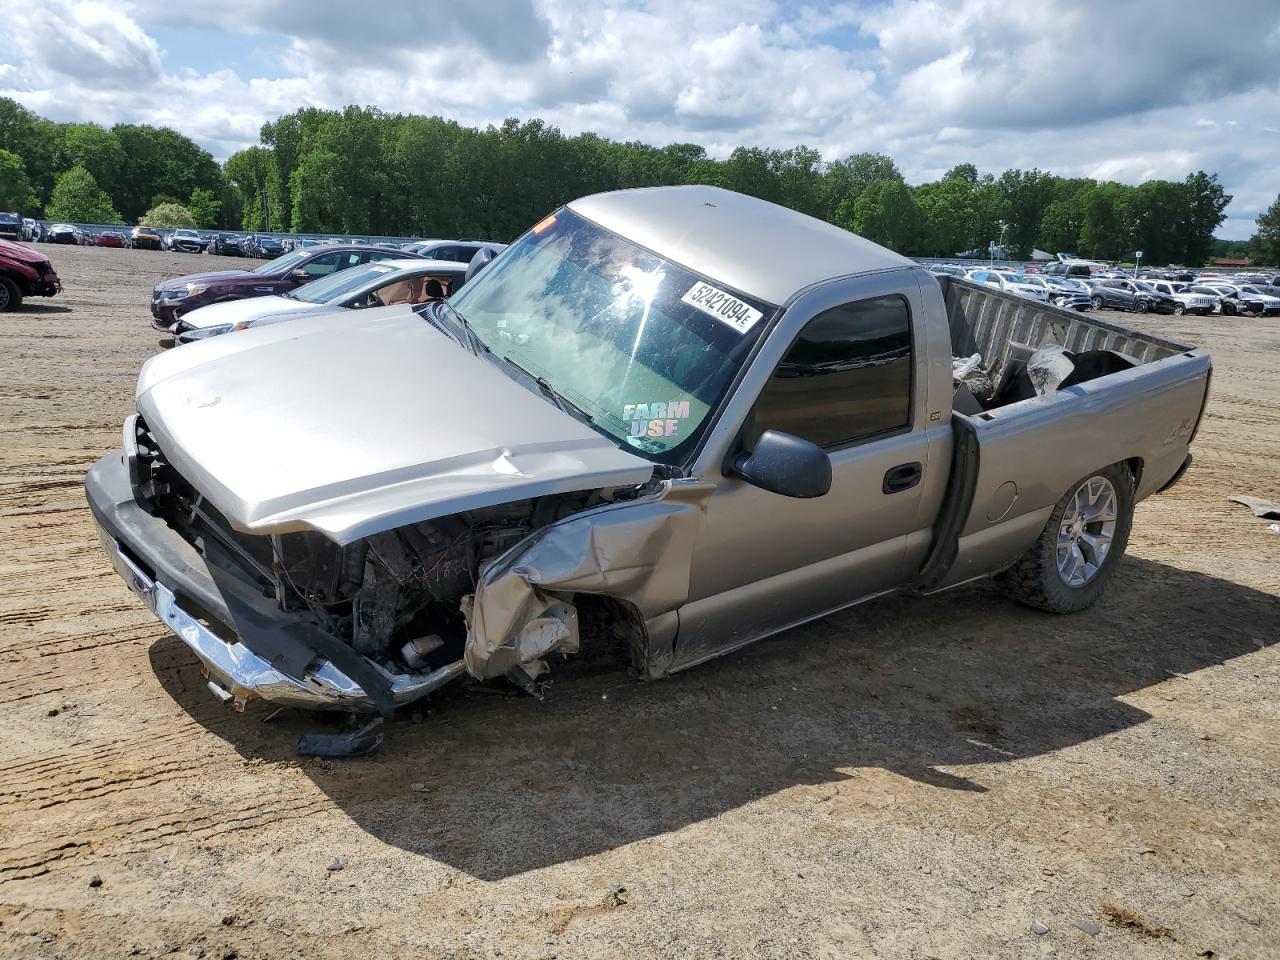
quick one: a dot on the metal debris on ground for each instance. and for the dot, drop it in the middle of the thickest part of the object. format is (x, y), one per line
(1262, 509)
(1038, 928)
(356, 744)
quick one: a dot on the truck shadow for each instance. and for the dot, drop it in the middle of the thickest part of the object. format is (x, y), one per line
(496, 786)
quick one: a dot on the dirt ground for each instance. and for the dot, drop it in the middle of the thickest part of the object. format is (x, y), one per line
(938, 777)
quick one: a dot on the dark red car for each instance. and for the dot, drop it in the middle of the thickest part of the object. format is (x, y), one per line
(24, 273)
(174, 297)
(110, 238)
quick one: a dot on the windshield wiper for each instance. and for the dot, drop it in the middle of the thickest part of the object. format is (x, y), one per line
(555, 396)
(473, 341)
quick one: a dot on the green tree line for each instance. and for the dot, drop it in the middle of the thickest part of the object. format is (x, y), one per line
(362, 171)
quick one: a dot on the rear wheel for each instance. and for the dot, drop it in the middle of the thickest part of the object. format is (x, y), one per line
(1069, 566)
(1097, 303)
(10, 295)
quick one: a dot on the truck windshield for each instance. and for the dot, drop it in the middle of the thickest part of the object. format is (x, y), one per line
(643, 347)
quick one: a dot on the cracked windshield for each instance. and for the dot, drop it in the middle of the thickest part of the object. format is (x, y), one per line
(641, 346)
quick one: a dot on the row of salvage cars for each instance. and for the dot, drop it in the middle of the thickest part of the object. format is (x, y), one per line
(1114, 292)
(309, 280)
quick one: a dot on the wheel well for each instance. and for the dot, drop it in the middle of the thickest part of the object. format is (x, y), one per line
(611, 630)
(1134, 465)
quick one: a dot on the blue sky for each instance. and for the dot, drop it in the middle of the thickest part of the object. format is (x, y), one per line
(1123, 91)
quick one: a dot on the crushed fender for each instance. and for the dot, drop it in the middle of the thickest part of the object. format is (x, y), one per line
(637, 551)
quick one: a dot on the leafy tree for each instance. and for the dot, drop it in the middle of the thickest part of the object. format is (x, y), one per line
(254, 173)
(886, 212)
(1061, 225)
(77, 198)
(311, 186)
(1104, 230)
(1207, 204)
(1024, 197)
(161, 161)
(205, 207)
(948, 212)
(15, 188)
(1264, 247)
(846, 180)
(97, 150)
(32, 138)
(168, 215)
(1157, 214)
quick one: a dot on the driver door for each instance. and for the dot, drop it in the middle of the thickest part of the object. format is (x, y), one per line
(849, 373)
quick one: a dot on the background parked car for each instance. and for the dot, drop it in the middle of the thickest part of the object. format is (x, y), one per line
(1200, 304)
(63, 233)
(1070, 294)
(145, 238)
(385, 283)
(1008, 283)
(1270, 303)
(267, 248)
(173, 298)
(227, 245)
(1235, 302)
(184, 241)
(24, 272)
(10, 226)
(110, 238)
(455, 251)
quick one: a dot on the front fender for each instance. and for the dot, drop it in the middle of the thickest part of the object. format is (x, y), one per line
(638, 551)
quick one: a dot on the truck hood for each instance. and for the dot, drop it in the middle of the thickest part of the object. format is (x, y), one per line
(352, 428)
(233, 311)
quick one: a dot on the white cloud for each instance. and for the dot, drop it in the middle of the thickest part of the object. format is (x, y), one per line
(1079, 87)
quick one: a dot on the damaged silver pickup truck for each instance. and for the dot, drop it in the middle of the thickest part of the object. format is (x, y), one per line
(678, 419)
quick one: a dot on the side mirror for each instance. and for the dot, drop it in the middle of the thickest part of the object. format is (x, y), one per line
(299, 276)
(787, 465)
(484, 256)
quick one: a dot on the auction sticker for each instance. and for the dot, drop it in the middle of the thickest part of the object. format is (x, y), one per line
(725, 307)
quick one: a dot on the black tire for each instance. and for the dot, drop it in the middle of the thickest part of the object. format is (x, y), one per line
(1228, 309)
(1035, 581)
(1179, 310)
(1142, 306)
(10, 295)
(1098, 303)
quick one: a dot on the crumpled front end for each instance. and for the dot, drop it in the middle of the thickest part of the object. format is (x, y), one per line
(298, 619)
(635, 552)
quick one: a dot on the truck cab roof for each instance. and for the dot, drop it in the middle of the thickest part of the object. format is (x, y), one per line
(759, 248)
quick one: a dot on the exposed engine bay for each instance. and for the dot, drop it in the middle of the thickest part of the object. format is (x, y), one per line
(400, 598)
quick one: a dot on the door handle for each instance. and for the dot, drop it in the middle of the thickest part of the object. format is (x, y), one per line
(902, 477)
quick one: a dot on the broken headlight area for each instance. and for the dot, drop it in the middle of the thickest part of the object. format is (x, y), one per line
(401, 599)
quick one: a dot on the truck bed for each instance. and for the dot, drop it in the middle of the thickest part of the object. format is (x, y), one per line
(988, 321)
(1015, 458)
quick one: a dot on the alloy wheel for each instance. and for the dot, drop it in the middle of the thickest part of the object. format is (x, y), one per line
(1086, 531)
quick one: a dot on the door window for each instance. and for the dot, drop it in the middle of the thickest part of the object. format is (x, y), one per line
(324, 265)
(846, 377)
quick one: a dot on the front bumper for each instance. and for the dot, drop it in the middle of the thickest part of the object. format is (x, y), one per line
(249, 649)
